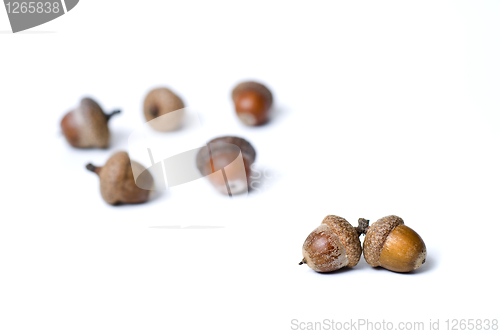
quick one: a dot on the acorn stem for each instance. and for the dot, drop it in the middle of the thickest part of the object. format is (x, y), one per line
(302, 262)
(114, 112)
(363, 225)
(93, 168)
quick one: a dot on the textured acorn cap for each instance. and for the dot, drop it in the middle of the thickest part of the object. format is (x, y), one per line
(347, 235)
(117, 182)
(87, 125)
(159, 102)
(252, 85)
(219, 144)
(376, 236)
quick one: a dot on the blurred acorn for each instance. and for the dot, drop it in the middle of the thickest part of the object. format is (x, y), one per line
(87, 125)
(252, 102)
(118, 185)
(221, 154)
(160, 102)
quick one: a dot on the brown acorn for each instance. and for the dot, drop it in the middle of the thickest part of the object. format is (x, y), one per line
(117, 180)
(87, 125)
(162, 101)
(252, 102)
(221, 154)
(392, 245)
(333, 245)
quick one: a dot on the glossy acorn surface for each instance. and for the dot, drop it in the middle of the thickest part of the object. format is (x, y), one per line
(252, 102)
(333, 245)
(392, 245)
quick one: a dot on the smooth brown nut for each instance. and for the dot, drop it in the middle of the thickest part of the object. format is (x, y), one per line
(87, 125)
(392, 245)
(333, 245)
(117, 180)
(160, 102)
(252, 102)
(221, 154)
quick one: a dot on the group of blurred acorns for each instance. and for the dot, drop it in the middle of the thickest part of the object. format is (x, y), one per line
(87, 127)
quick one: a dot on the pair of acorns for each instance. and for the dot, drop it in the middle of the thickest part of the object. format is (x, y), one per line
(388, 243)
(87, 125)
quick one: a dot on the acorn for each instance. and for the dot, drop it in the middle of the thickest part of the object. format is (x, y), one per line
(87, 125)
(333, 245)
(394, 246)
(158, 103)
(118, 185)
(221, 154)
(252, 102)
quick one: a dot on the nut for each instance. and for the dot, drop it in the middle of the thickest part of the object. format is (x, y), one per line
(392, 245)
(160, 102)
(221, 154)
(87, 125)
(333, 245)
(252, 102)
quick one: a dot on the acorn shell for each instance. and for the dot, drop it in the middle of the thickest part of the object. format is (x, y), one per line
(376, 236)
(403, 251)
(86, 126)
(347, 235)
(323, 250)
(252, 85)
(159, 102)
(218, 144)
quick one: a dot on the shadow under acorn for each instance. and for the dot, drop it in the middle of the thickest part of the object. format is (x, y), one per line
(428, 266)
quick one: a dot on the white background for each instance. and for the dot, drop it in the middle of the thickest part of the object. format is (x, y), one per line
(382, 107)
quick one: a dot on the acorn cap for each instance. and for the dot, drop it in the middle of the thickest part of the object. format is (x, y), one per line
(219, 145)
(117, 182)
(376, 236)
(251, 85)
(347, 235)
